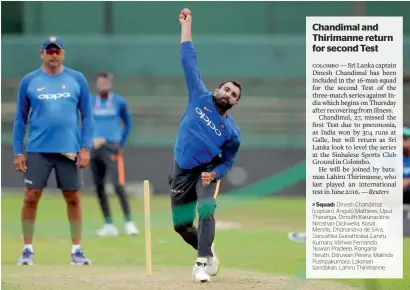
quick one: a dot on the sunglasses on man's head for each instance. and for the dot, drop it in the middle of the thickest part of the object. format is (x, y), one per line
(53, 50)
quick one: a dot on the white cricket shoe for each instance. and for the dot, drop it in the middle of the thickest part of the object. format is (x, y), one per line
(131, 229)
(199, 274)
(108, 230)
(212, 264)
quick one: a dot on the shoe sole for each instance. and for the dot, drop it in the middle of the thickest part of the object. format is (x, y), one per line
(204, 281)
(201, 280)
(109, 234)
(133, 234)
(80, 264)
(25, 264)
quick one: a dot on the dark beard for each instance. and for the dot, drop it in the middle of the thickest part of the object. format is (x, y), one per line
(221, 106)
(104, 95)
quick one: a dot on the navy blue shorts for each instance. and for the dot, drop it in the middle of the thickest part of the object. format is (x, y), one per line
(187, 190)
(39, 166)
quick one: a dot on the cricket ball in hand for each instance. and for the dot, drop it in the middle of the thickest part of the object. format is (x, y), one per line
(186, 12)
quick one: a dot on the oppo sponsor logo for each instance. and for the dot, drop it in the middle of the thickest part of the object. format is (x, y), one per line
(208, 122)
(54, 96)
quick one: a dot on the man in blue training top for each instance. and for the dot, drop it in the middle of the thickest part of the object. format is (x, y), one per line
(206, 146)
(56, 95)
(112, 125)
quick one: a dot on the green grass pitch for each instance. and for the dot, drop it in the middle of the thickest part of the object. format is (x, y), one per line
(255, 255)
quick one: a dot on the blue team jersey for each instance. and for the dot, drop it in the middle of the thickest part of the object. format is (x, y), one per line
(406, 166)
(203, 133)
(111, 118)
(56, 103)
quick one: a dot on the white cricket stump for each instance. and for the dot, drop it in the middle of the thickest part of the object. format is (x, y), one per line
(147, 212)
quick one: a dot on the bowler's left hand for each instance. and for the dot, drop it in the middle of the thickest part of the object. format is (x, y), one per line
(208, 177)
(83, 158)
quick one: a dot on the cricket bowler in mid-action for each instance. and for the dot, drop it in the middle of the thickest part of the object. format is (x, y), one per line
(207, 142)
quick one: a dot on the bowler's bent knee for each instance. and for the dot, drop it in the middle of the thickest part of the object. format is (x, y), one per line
(206, 209)
(183, 228)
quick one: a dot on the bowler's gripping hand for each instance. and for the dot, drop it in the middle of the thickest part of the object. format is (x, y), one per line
(185, 16)
(208, 177)
(185, 19)
(83, 158)
(20, 163)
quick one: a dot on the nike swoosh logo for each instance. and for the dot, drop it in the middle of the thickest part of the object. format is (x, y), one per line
(41, 89)
(205, 108)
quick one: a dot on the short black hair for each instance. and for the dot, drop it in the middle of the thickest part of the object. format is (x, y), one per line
(105, 75)
(235, 83)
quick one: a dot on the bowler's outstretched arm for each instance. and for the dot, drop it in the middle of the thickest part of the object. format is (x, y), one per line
(196, 87)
